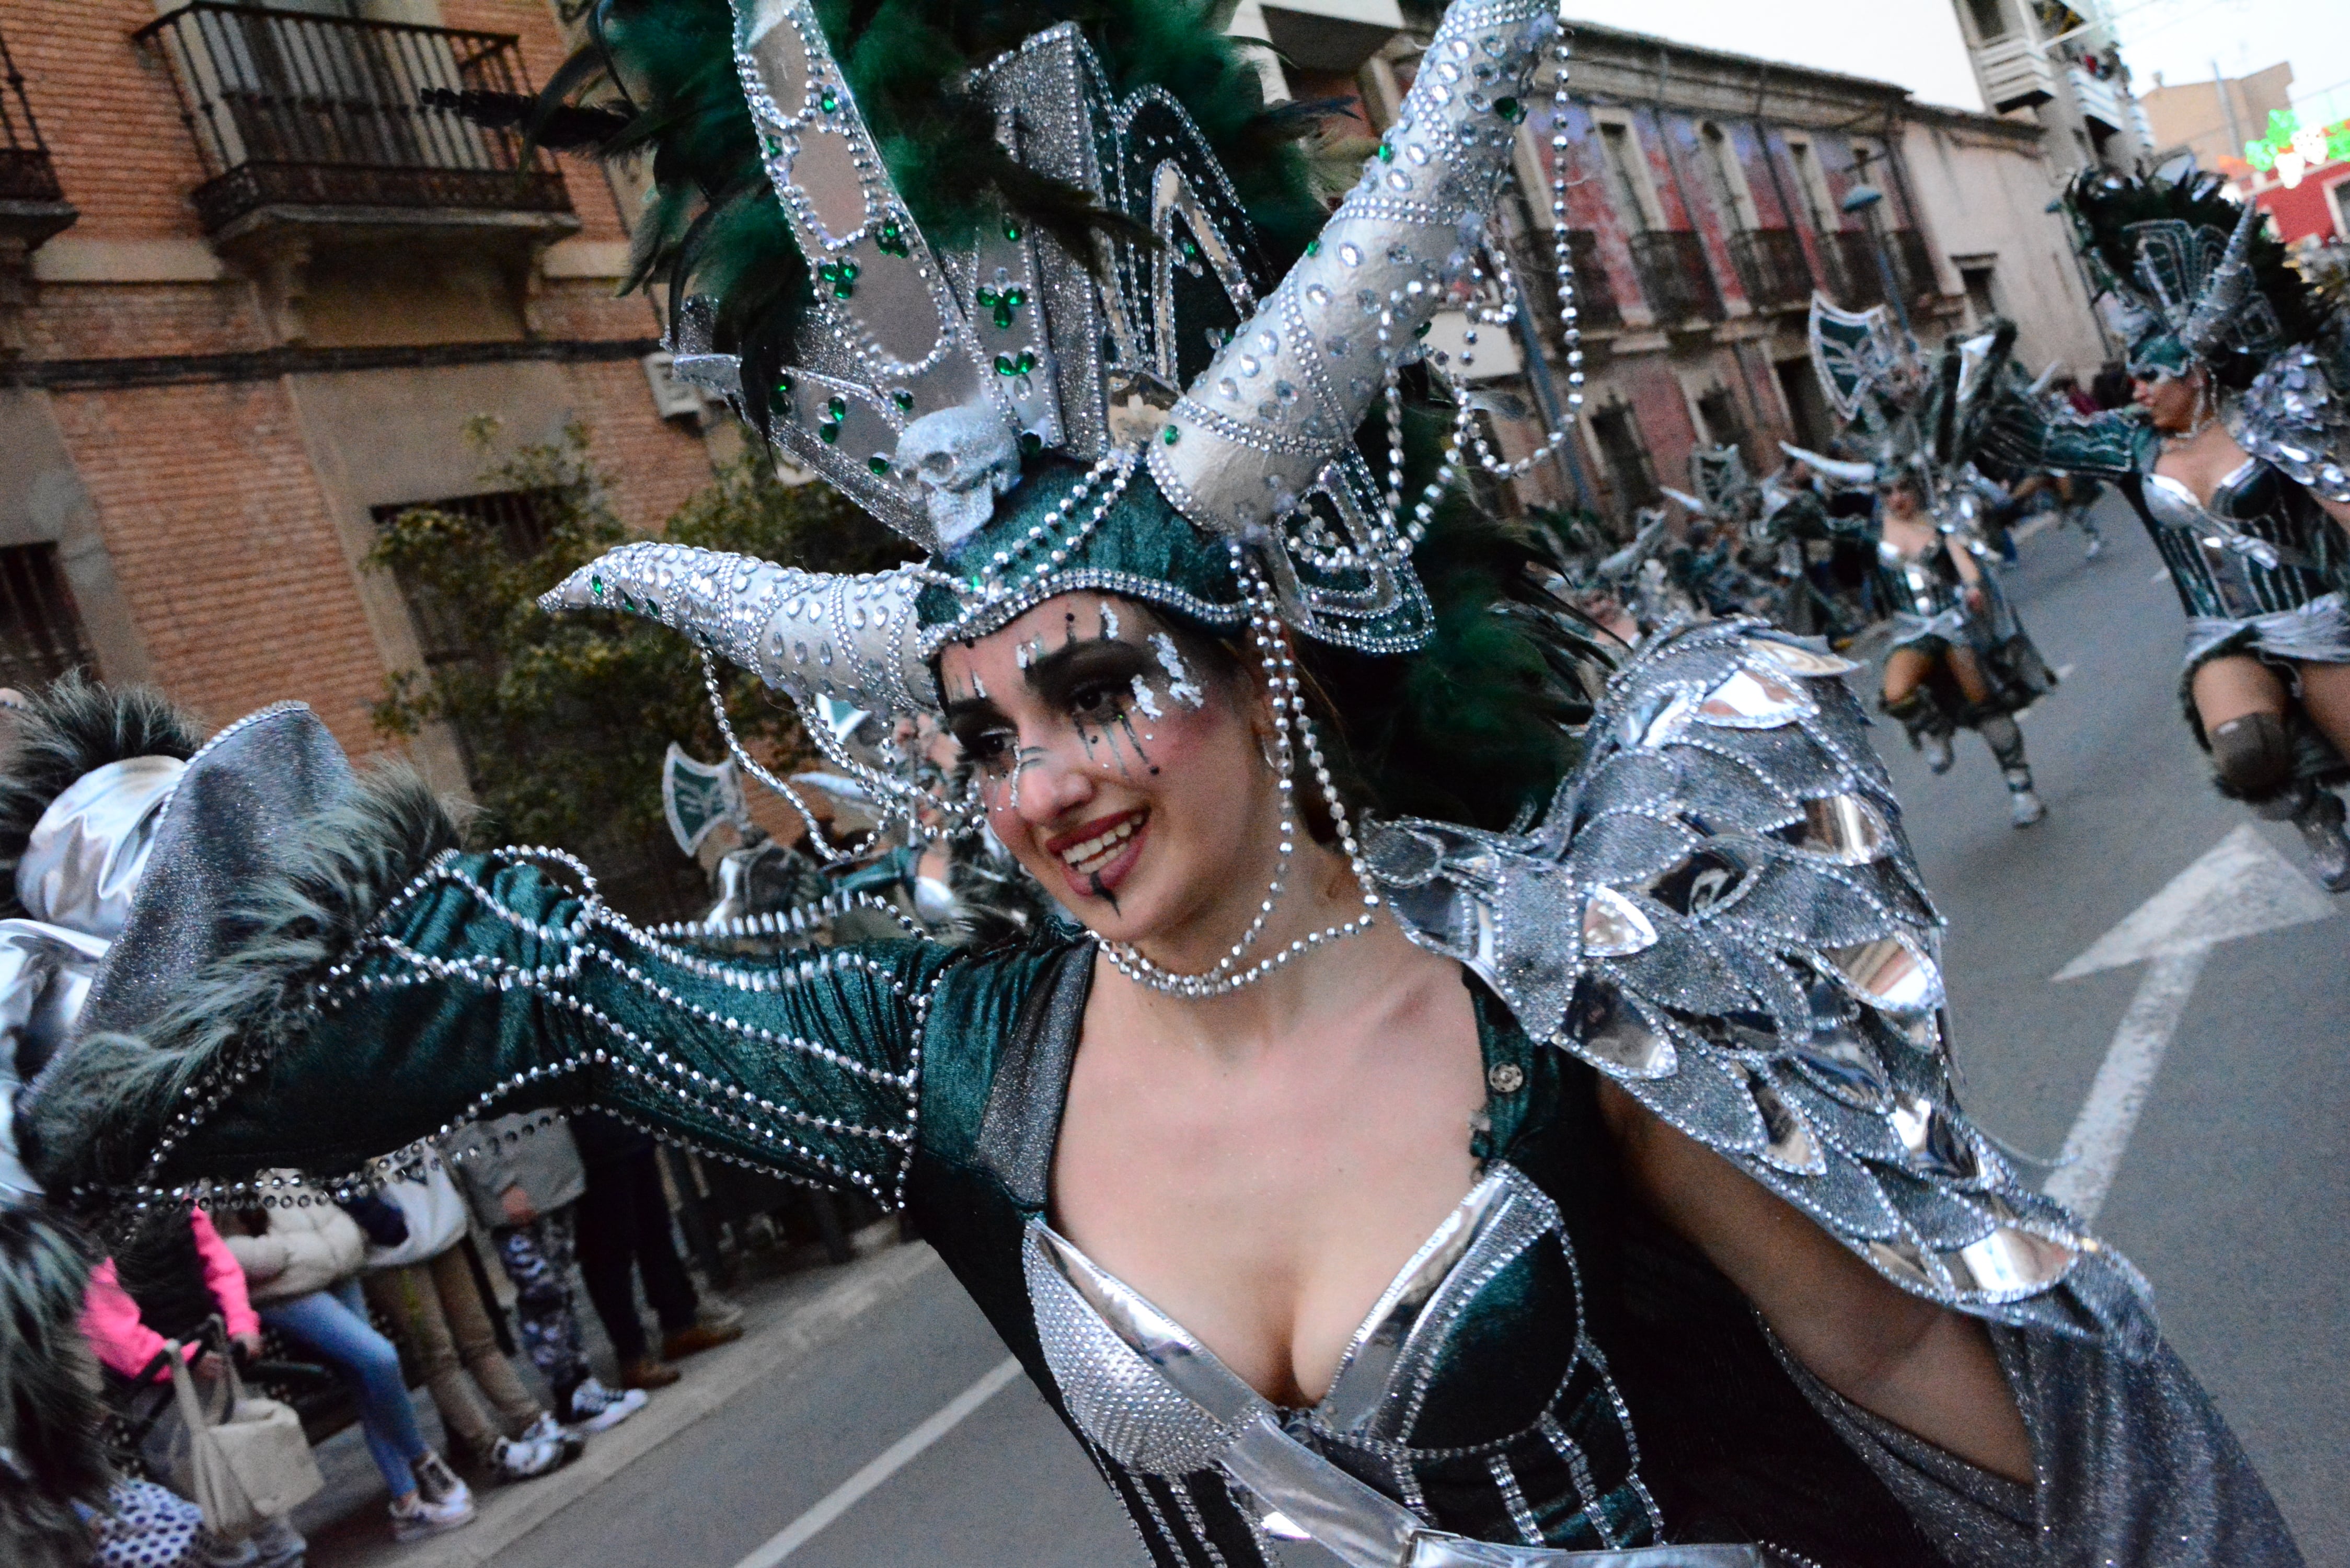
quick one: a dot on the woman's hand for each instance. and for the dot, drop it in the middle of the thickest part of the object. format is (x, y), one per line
(1923, 1367)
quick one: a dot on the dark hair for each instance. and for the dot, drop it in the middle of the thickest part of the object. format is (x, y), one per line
(1479, 727)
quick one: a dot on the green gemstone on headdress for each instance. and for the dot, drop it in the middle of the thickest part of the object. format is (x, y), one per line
(774, 145)
(1031, 443)
(830, 433)
(837, 409)
(1387, 152)
(595, 585)
(1007, 365)
(1314, 246)
(842, 275)
(1510, 108)
(904, 399)
(1011, 231)
(877, 463)
(783, 387)
(1170, 435)
(828, 100)
(1004, 304)
(890, 240)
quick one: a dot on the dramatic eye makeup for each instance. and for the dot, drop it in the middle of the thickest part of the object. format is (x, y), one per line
(1110, 691)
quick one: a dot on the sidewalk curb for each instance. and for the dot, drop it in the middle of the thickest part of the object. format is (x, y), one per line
(714, 1380)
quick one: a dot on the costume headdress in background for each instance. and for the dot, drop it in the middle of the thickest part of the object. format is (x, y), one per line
(2193, 276)
(1907, 417)
(1119, 395)
(1720, 487)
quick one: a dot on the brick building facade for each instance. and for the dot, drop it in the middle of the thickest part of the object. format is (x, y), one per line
(1705, 201)
(254, 292)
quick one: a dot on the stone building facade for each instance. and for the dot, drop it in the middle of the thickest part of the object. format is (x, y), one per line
(256, 292)
(1705, 202)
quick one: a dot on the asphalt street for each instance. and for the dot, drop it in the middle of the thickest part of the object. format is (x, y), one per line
(2229, 1192)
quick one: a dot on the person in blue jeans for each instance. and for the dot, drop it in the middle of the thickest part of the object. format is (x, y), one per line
(301, 1256)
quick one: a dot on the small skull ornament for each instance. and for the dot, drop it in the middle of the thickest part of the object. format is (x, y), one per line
(964, 458)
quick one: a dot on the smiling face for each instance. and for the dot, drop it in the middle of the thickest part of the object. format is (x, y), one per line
(1130, 780)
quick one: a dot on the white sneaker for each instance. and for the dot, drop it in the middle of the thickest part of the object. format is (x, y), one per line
(2023, 807)
(1938, 755)
(415, 1516)
(596, 1408)
(547, 1430)
(526, 1458)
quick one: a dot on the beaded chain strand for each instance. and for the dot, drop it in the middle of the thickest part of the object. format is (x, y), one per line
(1289, 715)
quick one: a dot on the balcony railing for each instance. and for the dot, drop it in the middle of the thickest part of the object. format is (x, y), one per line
(2014, 73)
(1860, 283)
(1595, 293)
(1772, 268)
(1674, 276)
(292, 110)
(25, 171)
(1534, 258)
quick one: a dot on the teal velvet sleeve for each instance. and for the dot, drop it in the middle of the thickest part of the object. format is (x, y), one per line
(487, 987)
(2024, 435)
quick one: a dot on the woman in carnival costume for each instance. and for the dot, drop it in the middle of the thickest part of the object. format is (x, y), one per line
(1566, 1175)
(2233, 459)
(1959, 657)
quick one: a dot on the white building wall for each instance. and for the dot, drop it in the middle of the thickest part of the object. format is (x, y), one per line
(1984, 198)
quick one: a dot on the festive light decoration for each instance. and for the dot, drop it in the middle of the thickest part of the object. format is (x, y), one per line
(2290, 149)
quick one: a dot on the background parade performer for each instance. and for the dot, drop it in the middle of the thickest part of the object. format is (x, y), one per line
(2233, 459)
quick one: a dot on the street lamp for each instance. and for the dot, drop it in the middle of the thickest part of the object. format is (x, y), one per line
(1865, 199)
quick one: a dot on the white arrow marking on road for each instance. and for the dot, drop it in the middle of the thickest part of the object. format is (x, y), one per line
(891, 1460)
(2240, 888)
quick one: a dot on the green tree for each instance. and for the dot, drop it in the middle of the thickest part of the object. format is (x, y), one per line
(564, 719)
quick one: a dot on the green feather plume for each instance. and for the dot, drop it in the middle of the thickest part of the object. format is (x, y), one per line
(662, 72)
(2103, 205)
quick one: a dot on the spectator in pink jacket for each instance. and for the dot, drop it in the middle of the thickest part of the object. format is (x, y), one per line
(173, 1280)
(118, 1329)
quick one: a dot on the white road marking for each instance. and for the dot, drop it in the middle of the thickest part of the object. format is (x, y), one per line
(2241, 888)
(892, 1459)
(2092, 1149)
(2159, 576)
(2064, 672)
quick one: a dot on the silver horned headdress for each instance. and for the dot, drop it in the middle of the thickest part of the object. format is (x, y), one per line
(1159, 418)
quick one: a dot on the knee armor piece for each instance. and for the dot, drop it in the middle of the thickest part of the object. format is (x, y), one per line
(2254, 755)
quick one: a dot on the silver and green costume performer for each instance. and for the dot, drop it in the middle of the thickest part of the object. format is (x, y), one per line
(2261, 569)
(1713, 909)
(1921, 423)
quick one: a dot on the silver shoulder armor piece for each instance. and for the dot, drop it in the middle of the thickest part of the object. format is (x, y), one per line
(1721, 913)
(2294, 416)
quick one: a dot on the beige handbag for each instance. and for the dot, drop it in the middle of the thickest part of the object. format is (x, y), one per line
(244, 1460)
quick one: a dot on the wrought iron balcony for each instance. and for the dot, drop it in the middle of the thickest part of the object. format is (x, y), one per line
(1595, 296)
(1534, 258)
(1772, 268)
(32, 205)
(1675, 277)
(1860, 282)
(325, 115)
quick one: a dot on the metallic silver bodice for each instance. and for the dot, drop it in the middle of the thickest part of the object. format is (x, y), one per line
(2234, 562)
(1158, 1401)
(1924, 590)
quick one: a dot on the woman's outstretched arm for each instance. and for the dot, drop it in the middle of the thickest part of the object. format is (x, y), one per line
(1924, 1367)
(386, 988)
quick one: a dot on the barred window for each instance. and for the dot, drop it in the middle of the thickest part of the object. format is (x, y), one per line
(40, 631)
(1628, 473)
(520, 518)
